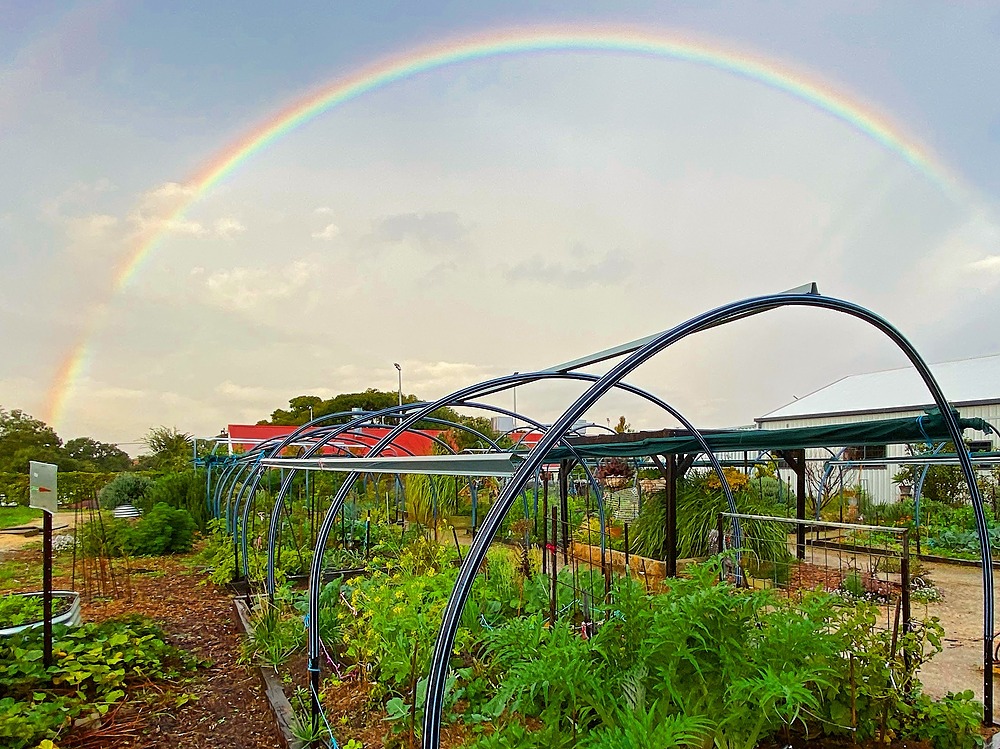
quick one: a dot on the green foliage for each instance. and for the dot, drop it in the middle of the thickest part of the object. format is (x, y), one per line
(163, 530)
(698, 508)
(14, 516)
(169, 450)
(125, 488)
(95, 456)
(276, 635)
(184, 490)
(96, 666)
(16, 610)
(23, 439)
(950, 723)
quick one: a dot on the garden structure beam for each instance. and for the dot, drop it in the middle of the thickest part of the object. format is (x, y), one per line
(360, 419)
(668, 469)
(796, 460)
(565, 466)
(326, 433)
(440, 664)
(480, 543)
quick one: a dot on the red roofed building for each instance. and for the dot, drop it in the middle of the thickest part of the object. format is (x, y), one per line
(243, 437)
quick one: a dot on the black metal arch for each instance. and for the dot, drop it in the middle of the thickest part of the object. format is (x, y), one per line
(556, 434)
(722, 315)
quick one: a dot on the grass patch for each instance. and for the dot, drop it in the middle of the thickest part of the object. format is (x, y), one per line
(20, 515)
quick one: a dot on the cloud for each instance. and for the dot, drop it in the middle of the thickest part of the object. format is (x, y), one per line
(90, 227)
(323, 210)
(582, 271)
(327, 233)
(75, 195)
(227, 228)
(442, 231)
(231, 389)
(170, 191)
(990, 264)
(244, 289)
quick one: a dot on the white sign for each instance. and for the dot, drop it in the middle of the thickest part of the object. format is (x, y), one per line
(43, 486)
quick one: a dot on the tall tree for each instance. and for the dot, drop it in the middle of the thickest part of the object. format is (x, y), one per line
(93, 455)
(169, 449)
(24, 438)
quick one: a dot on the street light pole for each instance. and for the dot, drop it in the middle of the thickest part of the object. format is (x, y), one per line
(515, 405)
(399, 371)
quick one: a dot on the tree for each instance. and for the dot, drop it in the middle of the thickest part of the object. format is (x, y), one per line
(24, 438)
(461, 439)
(93, 455)
(125, 488)
(622, 427)
(170, 449)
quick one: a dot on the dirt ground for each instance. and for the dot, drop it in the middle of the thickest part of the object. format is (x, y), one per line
(960, 665)
(221, 705)
(62, 522)
(226, 708)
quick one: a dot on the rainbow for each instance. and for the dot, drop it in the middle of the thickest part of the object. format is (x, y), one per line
(613, 39)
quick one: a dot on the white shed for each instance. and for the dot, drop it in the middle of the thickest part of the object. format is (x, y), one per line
(971, 385)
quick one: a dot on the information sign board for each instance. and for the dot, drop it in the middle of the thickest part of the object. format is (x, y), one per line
(43, 486)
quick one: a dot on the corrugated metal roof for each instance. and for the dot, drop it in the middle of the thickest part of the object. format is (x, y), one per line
(964, 381)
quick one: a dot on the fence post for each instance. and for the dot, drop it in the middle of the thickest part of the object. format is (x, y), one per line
(904, 574)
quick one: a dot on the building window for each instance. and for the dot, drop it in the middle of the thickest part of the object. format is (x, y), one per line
(866, 452)
(980, 446)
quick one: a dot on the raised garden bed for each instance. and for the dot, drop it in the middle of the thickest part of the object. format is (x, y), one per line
(21, 611)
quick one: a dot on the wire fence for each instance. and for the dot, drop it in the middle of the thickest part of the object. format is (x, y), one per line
(791, 556)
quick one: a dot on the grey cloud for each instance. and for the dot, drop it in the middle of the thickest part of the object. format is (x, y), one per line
(584, 270)
(436, 232)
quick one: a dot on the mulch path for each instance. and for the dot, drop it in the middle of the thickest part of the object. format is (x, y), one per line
(221, 705)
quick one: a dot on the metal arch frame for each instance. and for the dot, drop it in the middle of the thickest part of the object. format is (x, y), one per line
(541, 428)
(245, 515)
(321, 436)
(495, 515)
(271, 582)
(360, 420)
(439, 668)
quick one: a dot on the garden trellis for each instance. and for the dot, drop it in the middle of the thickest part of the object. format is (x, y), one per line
(675, 452)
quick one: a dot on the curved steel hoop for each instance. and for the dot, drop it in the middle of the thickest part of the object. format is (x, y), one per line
(722, 315)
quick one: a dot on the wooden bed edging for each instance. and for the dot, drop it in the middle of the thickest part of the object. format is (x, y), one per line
(276, 698)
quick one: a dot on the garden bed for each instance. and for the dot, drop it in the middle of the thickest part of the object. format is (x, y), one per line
(219, 705)
(20, 611)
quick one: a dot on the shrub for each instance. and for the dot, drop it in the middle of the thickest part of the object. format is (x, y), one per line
(163, 530)
(125, 488)
(184, 491)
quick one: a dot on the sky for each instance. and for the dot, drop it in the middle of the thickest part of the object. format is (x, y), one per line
(496, 214)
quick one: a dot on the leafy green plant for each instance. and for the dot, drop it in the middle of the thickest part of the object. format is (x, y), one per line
(125, 488)
(275, 636)
(305, 730)
(96, 665)
(949, 723)
(16, 610)
(163, 530)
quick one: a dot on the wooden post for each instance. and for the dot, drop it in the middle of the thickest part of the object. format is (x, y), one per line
(670, 560)
(545, 520)
(800, 503)
(796, 459)
(47, 588)
(564, 468)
